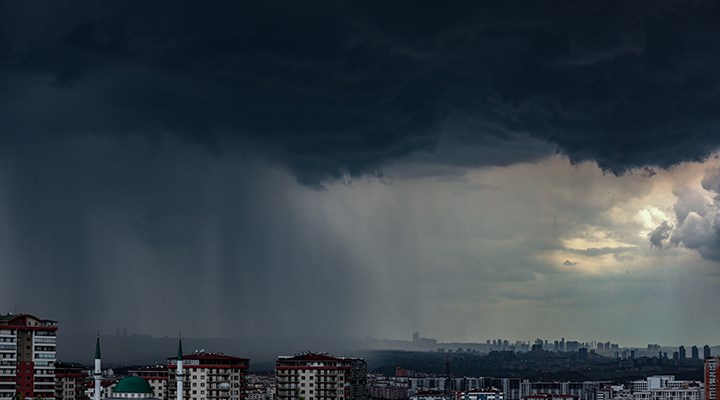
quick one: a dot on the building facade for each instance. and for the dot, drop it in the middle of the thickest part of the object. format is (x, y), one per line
(70, 381)
(711, 378)
(313, 376)
(665, 387)
(478, 395)
(27, 356)
(209, 376)
(578, 390)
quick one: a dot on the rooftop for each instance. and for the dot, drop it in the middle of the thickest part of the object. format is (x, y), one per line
(24, 320)
(310, 357)
(133, 384)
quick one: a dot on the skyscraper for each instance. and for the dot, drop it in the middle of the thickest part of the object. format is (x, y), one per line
(695, 354)
(706, 351)
(682, 354)
(27, 356)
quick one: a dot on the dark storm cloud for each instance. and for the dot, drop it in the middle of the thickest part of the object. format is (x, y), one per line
(660, 234)
(333, 88)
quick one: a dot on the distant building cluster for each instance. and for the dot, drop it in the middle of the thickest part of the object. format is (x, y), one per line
(663, 387)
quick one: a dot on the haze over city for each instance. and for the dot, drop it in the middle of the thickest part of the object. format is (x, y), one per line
(277, 169)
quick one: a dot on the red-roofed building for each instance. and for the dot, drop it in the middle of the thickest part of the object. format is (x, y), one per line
(315, 376)
(712, 373)
(27, 356)
(209, 376)
(70, 381)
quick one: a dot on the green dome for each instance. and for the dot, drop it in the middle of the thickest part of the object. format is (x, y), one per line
(133, 384)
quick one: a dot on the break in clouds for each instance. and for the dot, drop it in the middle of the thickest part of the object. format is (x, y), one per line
(697, 224)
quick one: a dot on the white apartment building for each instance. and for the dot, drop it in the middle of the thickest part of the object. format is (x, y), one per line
(209, 376)
(654, 382)
(479, 395)
(313, 376)
(665, 387)
(695, 393)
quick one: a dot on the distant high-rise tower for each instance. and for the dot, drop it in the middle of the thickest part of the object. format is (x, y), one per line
(711, 377)
(28, 355)
(682, 354)
(583, 354)
(706, 351)
(695, 354)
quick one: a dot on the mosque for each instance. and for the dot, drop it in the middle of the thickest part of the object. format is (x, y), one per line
(200, 375)
(134, 387)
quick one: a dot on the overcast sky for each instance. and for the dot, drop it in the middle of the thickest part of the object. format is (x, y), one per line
(469, 170)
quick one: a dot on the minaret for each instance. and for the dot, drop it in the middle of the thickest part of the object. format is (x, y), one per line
(97, 375)
(179, 371)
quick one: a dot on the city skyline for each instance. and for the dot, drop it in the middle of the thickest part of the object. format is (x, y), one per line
(31, 369)
(331, 170)
(123, 332)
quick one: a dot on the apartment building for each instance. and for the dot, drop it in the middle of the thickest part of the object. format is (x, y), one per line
(70, 381)
(27, 356)
(313, 376)
(711, 377)
(209, 376)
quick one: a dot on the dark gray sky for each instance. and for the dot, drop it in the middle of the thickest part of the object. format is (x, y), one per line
(470, 170)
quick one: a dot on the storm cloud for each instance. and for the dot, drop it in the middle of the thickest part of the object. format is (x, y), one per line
(697, 211)
(160, 166)
(331, 89)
